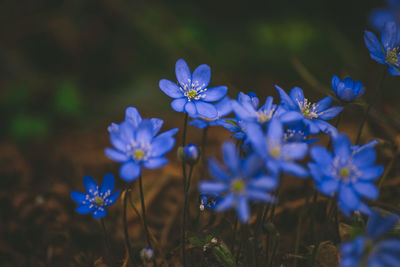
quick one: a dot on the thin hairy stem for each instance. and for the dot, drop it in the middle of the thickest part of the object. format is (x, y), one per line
(146, 229)
(126, 233)
(185, 211)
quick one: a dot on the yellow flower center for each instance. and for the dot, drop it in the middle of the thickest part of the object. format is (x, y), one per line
(138, 154)
(344, 172)
(98, 200)
(192, 94)
(275, 152)
(238, 186)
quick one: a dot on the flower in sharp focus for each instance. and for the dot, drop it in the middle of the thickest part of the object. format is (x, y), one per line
(223, 108)
(136, 144)
(312, 114)
(348, 173)
(96, 198)
(278, 154)
(386, 52)
(241, 181)
(191, 94)
(246, 108)
(347, 90)
(372, 249)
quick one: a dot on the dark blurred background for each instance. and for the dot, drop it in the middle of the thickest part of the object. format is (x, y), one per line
(70, 68)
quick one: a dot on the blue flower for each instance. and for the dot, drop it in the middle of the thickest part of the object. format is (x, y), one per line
(379, 17)
(347, 90)
(278, 154)
(348, 173)
(371, 249)
(208, 202)
(97, 199)
(191, 153)
(136, 144)
(241, 181)
(223, 108)
(297, 132)
(246, 109)
(313, 115)
(192, 94)
(386, 53)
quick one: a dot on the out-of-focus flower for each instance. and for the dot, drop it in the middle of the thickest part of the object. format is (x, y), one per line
(190, 154)
(241, 181)
(96, 199)
(208, 202)
(278, 154)
(223, 107)
(347, 90)
(146, 255)
(347, 173)
(313, 115)
(191, 94)
(371, 249)
(386, 52)
(378, 17)
(246, 108)
(136, 144)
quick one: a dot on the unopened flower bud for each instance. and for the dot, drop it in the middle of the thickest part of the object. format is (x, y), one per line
(146, 254)
(190, 154)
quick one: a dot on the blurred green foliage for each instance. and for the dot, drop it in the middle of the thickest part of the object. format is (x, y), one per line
(67, 99)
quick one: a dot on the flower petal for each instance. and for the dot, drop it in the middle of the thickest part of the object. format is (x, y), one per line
(78, 197)
(294, 151)
(107, 184)
(231, 157)
(371, 173)
(286, 101)
(132, 116)
(201, 76)
(216, 171)
(364, 157)
(200, 124)
(171, 89)
(294, 169)
(84, 209)
(389, 35)
(182, 72)
(321, 155)
(215, 93)
(206, 110)
(155, 163)
(330, 113)
(225, 203)
(264, 182)
(341, 146)
(178, 104)
(90, 185)
(348, 197)
(112, 198)
(374, 47)
(275, 132)
(328, 186)
(99, 213)
(129, 171)
(296, 94)
(212, 187)
(190, 109)
(144, 133)
(157, 124)
(323, 104)
(116, 155)
(161, 145)
(367, 190)
(243, 209)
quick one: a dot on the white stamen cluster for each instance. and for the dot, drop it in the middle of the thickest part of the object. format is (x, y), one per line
(392, 56)
(97, 199)
(264, 115)
(289, 134)
(339, 168)
(138, 151)
(193, 90)
(308, 109)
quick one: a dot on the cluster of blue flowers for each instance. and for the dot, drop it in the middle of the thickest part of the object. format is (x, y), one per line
(272, 139)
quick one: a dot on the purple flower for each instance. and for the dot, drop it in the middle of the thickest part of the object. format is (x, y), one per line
(96, 199)
(348, 173)
(371, 249)
(136, 144)
(223, 108)
(312, 114)
(241, 181)
(347, 90)
(191, 94)
(277, 154)
(386, 52)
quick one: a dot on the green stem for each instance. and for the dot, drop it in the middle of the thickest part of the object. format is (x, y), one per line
(146, 229)
(387, 170)
(185, 211)
(106, 241)
(234, 233)
(376, 93)
(185, 123)
(240, 245)
(126, 233)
